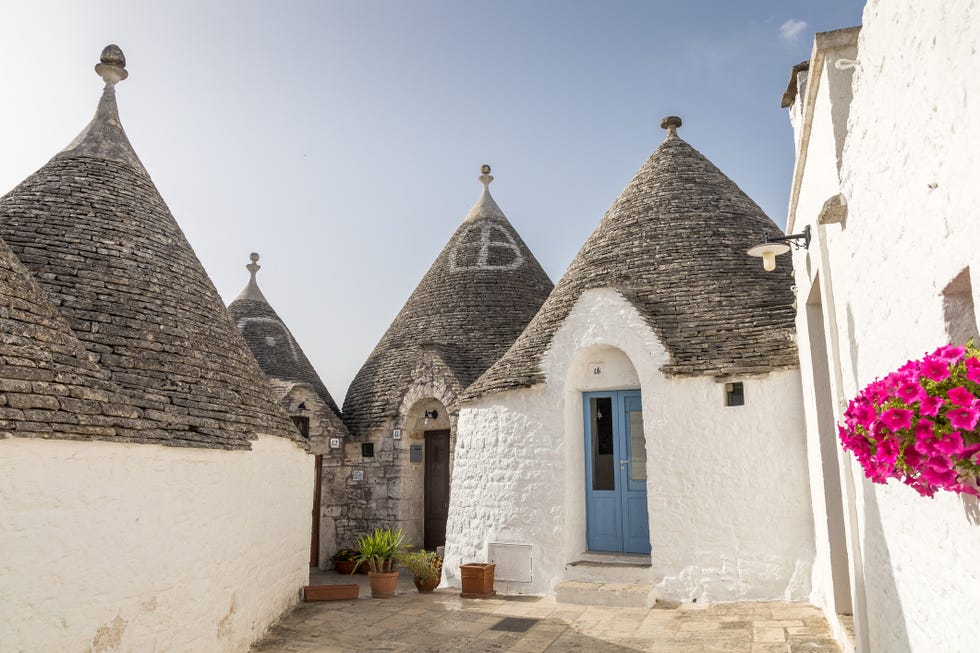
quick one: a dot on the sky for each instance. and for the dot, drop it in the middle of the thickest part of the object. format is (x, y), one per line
(342, 141)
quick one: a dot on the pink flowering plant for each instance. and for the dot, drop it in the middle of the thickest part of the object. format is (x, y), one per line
(919, 423)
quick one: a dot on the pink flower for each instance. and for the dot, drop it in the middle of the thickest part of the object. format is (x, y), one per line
(962, 397)
(973, 369)
(863, 414)
(930, 406)
(911, 391)
(923, 429)
(963, 418)
(949, 353)
(939, 472)
(935, 369)
(897, 418)
(950, 445)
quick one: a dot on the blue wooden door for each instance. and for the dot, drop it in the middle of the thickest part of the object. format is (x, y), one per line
(615, 472)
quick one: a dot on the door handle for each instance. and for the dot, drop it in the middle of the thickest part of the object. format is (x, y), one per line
(622, 465)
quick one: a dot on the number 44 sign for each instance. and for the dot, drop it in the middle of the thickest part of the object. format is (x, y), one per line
(595, 368)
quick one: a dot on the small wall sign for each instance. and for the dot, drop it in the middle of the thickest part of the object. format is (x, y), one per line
(595, 368)
(335, 443)
(396, 434)
(415, 453)
(357, 475)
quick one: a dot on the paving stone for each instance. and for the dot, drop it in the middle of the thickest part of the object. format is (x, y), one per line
(443, 623)
(768, 634)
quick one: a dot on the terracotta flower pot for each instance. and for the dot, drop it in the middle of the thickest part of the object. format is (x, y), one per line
(344, 566)
(330, 592)
(383, 584)
(426, 586)
(477, 580)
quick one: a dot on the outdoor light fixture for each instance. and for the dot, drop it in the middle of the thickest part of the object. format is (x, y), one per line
(773, 246)
(432, 414)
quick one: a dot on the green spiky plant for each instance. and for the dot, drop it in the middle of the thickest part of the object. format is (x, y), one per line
(379, 547)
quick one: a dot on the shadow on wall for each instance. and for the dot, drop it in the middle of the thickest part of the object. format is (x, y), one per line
(892, 633)
(971, 508)
(853, 344)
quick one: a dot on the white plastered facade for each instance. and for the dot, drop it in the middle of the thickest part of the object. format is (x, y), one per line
(716, 533)
(137, 547)
(896, 135)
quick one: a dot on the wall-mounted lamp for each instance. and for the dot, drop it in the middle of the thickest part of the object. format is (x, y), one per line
(431, 414)
(773, 246)
(302, 406)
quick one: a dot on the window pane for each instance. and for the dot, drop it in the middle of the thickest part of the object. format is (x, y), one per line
(638, 449)
(603, 454)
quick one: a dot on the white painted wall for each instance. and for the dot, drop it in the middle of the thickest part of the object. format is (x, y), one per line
(836, 589)
(728, 498)
(135, 547)
(909, 171)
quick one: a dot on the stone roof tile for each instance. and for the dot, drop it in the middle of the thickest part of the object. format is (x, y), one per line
(476, 298)
(273, 345)
(92, 228)
(674, 245)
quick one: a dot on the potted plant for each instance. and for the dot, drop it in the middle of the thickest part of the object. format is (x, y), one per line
(425, 567)
(345, 560)
(377, 550)
(919, 424)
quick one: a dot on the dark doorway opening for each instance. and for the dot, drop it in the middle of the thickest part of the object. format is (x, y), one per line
(436, 498)
(315, 533)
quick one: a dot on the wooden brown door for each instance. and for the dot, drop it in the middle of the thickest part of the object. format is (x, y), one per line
(436, 487)
(315, 537)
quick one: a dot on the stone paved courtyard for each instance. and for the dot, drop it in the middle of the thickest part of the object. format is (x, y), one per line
(442, 621)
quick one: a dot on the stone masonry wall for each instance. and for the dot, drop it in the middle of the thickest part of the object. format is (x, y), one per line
(390, 493)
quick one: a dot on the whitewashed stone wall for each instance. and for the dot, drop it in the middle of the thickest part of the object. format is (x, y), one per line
(727, 492)
(135, 547)
(822, 119)
(909, 173)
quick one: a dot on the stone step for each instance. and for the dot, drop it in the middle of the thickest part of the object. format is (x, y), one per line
(610, 568)
(615, 595)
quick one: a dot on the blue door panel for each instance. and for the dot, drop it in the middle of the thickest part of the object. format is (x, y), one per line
(616, 498)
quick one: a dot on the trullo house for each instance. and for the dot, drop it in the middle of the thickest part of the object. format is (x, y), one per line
(139, 438)
(402, 406)
(630, 444)
(307, 401)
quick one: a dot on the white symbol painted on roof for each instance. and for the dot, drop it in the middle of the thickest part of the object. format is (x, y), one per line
(495, 249)
(243, 322)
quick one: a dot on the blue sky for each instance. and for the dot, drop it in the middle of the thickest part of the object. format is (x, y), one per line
(342, 140)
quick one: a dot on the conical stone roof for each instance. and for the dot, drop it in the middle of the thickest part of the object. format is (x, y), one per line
(674, 245)
(95, 233)
(476, 298)
(271, 342)
(49, 386)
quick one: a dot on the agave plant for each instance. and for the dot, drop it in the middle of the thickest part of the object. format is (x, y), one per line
(379, 548)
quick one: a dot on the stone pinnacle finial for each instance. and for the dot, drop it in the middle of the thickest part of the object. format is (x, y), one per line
(671, 123)
(112, 68)
(254, 266)
(486, 178)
